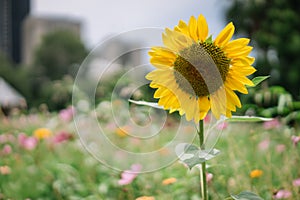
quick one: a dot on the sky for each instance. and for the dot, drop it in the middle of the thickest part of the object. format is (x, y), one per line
(101, 18)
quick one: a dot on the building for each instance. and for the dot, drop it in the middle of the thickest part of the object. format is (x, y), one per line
(12, 15)
(35, 27)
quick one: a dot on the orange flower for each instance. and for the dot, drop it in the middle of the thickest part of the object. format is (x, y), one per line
(169, 181)
(42, 133)
(4, 170)
(256, 173)
(145, 198)
(122, 131)
(164, 151)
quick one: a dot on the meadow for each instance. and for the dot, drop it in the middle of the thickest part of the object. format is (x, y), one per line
(42, 157)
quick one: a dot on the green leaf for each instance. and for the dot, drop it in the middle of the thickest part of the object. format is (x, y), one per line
(246, 195)
(209, 40)
(193, 155)
(248, 119)
(257, 80)
(146, 103)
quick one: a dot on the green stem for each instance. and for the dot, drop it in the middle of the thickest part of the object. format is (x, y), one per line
(203, 165)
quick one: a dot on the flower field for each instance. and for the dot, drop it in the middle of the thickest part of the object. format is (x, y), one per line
(42, 157)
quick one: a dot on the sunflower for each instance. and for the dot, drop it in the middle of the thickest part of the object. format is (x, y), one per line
(195, 74)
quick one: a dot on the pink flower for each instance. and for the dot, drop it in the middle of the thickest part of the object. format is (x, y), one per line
(209, 177)
(129, 175)
(280, 148)
(296, 182)
(6, 149)
(26, 142)
(264, 145)
(274, 123)
(207, 118)
(222, 125)
(295, 139)
(3, 138)
(282, 194)
(61, 137)
(67, 114)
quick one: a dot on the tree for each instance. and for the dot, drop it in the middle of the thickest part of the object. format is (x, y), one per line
(274, 25)
(59, 54)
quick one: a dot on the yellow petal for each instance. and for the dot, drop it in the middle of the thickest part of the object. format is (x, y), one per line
(174, 103)
(186, 104)
(221, 94)
(234, 84)
(204, 106)
(250, 60)
(160, 92)
(235, 45)
(243, 70)
(161, 76)
(193, 28)
(233, 97)
(202, 28)
(162, 52)
(218, 102)
(243, 52)
(215, 106)
(154, 85)
(228, 114)
(167, 100)
(225, 35)
(161, 62)
(242, 79)
(181, 40)
(230, 101)
(243, 60)
(161, 66)
(182, 27)
(193, 108)
(171, 38)
(168, 42)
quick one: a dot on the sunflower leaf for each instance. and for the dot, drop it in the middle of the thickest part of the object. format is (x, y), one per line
(257, 80)
(192, 155)
(248, 119)
(246, 195)
(209, 40)
(146, 103)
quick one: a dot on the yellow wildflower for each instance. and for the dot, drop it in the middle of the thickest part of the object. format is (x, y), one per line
(256, 173)
(42, 133)
(145, 198)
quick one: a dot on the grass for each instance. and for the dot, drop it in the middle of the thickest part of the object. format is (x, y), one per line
(65, 170)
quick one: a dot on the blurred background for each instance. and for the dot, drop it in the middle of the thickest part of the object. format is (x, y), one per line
(43, 43)
(45, 155)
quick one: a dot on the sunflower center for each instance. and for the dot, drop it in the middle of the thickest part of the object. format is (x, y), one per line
(201, 69)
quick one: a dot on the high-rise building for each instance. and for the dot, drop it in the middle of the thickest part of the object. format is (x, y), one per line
(36, 27)
(12, 14)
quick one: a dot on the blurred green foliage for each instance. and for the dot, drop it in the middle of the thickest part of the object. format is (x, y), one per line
(49, 80)
(60, 53)
(274, 26)
(271, 102)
